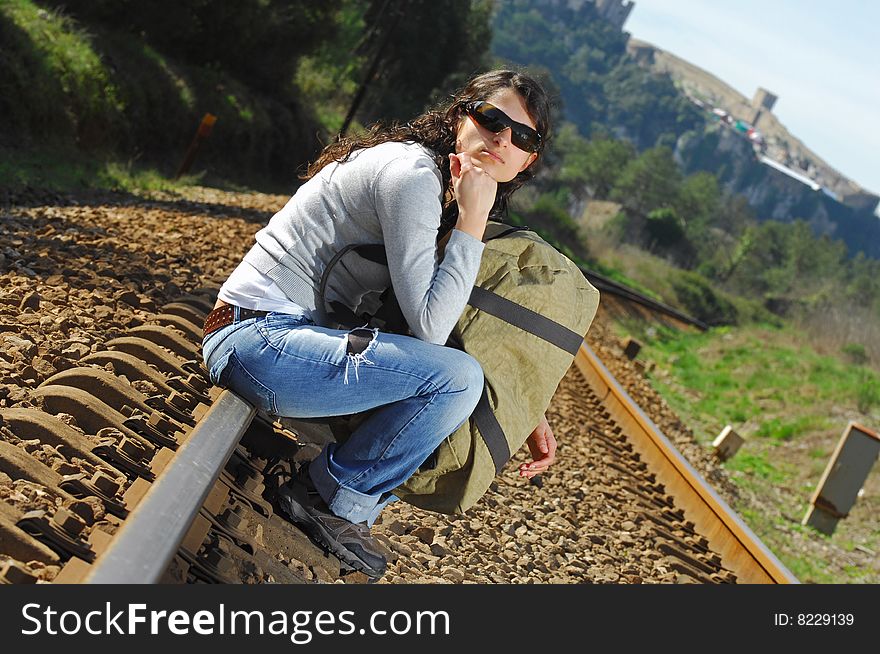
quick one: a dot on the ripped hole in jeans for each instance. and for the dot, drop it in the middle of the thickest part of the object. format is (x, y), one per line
(358, 342)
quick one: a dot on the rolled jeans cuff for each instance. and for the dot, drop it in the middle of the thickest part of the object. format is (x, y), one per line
(344, 502)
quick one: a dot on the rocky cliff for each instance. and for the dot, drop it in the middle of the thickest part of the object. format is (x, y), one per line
(772, 193)
(830, 202)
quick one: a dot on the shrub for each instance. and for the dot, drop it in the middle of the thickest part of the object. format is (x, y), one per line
(664, 227)
(856, 353)
(867, 393)
(700, 300)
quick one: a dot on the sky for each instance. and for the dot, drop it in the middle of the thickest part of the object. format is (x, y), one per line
(821, 59)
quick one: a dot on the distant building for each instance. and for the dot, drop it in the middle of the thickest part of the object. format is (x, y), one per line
(615, 11)
(763, 100)
(862, 201)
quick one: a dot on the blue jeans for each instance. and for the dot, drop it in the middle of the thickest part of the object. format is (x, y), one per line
(285, 365)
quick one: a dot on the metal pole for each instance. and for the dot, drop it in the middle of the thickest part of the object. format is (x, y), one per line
(374, 65)
(202, 132)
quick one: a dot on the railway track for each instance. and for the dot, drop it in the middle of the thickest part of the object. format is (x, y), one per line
(621, 300)
(135, 470)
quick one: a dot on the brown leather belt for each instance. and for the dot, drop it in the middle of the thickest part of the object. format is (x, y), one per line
(223, 316)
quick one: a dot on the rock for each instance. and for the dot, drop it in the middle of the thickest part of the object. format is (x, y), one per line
(401, 548)
(30, 301)
(438, 550)
(147, 303)
(66, 469)
(29, 375)
(396, 527)
(76, 351)
(128, 297)
(26, 347)
(321, 575)
(43, 367)
(102, 312)
(62, 363)
(454, 575)
(424, 534)
(428, 560)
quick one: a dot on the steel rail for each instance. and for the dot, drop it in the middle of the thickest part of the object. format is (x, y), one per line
(741, 550)
(149, 538)
(616, 288)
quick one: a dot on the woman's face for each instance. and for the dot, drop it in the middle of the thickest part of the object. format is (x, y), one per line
(494, 152)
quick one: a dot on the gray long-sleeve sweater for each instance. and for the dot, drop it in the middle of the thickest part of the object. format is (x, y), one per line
(391, 194)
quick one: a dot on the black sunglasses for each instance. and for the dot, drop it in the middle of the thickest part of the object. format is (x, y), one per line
(492, 118)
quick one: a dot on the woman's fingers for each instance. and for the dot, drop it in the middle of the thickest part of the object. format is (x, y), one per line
(552, 443)
(462, 163)
(474, 191)
(542, 444)
(535, 467)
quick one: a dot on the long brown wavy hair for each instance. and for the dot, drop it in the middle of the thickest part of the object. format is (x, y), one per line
(437, 130)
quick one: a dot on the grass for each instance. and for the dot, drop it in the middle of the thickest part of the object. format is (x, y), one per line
(759, 465)
(621, 278)
(81, 100)
(791, 404)
(765, 379)
(57, 70)
(67, 169)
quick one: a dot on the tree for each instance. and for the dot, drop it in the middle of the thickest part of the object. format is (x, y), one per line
(435, 46)
(599, 83)
(596, 164)
(606, 160)
(258, 41)
(699, 197)
(665, 228)
(649, 182)
(862, 281)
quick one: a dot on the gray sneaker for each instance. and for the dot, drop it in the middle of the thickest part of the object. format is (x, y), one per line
(351, 543)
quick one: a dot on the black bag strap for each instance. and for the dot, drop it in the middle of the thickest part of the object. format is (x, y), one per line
(509, 230)
(389, 313)
(526, 319)
(491, 431)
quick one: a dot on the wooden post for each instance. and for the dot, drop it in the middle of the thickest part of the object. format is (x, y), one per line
(631, 348)
(202, 132)
(727, 443)
(843, 478)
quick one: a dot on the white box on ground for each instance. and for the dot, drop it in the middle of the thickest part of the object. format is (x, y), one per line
(727, 443)
(843, 478)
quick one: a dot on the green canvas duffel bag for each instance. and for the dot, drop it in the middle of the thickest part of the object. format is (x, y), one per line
(527, 315)
(529, 311)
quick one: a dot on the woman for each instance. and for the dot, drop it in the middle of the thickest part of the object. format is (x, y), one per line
(270, 338)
